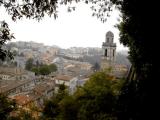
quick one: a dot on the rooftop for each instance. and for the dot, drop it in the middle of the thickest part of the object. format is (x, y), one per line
(22, 99)
(63, 77)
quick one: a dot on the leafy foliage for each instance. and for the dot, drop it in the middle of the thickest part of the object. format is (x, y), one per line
(101, 9)
(22, 115)
(5, 36)
(95, 101)
(38, 68)
(6, 106)
(29, 64)
(136, 95)
(30, 8)
(52, 109)
(37, 9)
(52, 67)
(44, 69)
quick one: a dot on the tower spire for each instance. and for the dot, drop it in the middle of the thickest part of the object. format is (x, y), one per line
(109, 50)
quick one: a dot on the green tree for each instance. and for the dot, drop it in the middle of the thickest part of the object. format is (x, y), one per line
(29, 64)
(136, 95)
(44, 70)
(97, 98)
(52, 109)
(6, 106)
(35, 70)
(53, 67)
(69, 108)
(24, 115)
(5, 36)
(62, 92)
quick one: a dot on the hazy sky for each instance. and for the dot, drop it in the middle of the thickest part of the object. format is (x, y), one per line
(77, 28)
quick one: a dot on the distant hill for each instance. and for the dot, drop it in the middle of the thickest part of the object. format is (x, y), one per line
(41, 52)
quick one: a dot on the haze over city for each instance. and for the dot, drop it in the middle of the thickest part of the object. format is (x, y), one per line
(61, 60)
(75, 29)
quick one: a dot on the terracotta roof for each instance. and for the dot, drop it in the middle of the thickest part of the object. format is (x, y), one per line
(22, 99)
(63, 77)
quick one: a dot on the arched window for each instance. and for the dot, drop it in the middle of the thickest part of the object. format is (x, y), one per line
(105, 52)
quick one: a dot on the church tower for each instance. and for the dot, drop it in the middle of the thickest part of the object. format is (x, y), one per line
(109, 51)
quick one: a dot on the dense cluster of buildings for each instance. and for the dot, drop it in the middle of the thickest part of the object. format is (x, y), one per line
(31, 91)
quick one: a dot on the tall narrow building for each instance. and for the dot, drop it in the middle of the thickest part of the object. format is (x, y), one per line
(109, 51)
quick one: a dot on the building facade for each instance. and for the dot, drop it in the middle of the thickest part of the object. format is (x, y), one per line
(109, 51)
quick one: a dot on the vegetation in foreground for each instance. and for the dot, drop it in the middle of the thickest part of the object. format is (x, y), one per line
(96, 100)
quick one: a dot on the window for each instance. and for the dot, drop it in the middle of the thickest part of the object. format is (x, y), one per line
(107, 40)
(105, 53)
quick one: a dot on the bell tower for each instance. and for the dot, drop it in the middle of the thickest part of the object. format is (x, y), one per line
(109, 51)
